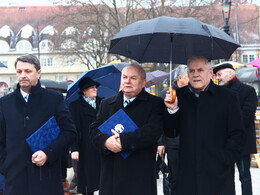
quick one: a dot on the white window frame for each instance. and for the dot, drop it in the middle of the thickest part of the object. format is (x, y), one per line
(4, 46)
(23, 45)
(46, 61)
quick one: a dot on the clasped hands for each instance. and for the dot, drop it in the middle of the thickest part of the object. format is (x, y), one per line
(113, 143)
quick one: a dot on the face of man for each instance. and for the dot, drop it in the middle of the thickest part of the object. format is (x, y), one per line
(224, 76)
(182, 80)
(27, 75)
(131, 82)
(199, 74)
(90, 92)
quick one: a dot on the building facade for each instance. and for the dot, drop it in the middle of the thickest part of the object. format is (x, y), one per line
(25, 30)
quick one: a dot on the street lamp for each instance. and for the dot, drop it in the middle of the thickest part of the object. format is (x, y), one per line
(226, 6)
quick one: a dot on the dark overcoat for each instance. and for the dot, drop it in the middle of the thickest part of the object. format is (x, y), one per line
(18, 120)
(89, 161)
(136, 174)
(211, 139)
(248, 103)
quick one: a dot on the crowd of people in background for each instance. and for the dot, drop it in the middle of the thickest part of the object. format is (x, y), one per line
(206, 131)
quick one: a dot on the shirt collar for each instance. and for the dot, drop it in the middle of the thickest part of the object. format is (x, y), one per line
(132, 99)
(24, 94)
(195, 92)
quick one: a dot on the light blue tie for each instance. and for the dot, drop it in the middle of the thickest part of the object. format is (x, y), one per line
(26, 98)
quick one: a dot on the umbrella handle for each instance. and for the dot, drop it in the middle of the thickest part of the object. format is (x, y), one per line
(173, 94)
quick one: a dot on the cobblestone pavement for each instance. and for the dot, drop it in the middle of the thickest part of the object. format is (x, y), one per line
(255, 173)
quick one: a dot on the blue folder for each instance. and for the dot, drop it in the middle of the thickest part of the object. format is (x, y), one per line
(120, 122)
(43, 136)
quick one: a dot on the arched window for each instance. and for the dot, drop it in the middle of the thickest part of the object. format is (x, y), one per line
(69, 60)
(4, 46)
(46, 45)
(23, 45)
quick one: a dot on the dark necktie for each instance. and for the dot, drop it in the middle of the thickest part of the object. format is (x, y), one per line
(126, 102)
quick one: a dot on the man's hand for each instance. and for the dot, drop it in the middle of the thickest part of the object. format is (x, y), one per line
(117, 136)
(75, 155)
(168, 99)
(161, 150)
(113, 143)
(39, 158)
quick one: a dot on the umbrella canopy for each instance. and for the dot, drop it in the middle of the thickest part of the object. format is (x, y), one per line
(165, 39)
(56, 85)
(255, 63)
(108, 76)
(155, 77)
(248, 74)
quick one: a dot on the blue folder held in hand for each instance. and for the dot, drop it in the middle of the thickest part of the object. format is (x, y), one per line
(43, 136)
(120, 122)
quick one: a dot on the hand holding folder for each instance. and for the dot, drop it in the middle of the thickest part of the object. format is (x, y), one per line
(120, 122)
(44, 136)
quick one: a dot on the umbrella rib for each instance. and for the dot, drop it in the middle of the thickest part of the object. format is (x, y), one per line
(207, 31)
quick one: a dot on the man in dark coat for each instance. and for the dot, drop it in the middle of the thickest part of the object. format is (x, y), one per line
(211, 131)
(226, 76)
(21, 114)
(135, 175)
(84, 112)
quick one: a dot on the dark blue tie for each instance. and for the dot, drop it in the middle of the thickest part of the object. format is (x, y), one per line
(126, 102)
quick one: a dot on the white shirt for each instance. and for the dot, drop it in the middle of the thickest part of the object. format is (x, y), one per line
(125, 99)
(25, 95)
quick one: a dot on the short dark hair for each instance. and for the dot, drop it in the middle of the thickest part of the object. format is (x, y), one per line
(30, 59)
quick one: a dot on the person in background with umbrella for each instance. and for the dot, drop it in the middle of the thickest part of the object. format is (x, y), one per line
(136, 174)
(171, 145)
(226, 76)
(84, 111)
(209, 121)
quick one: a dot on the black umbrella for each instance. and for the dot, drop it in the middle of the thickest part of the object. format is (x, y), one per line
(167, 38)
(172, 40)
(166, 181)
(55, 85)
